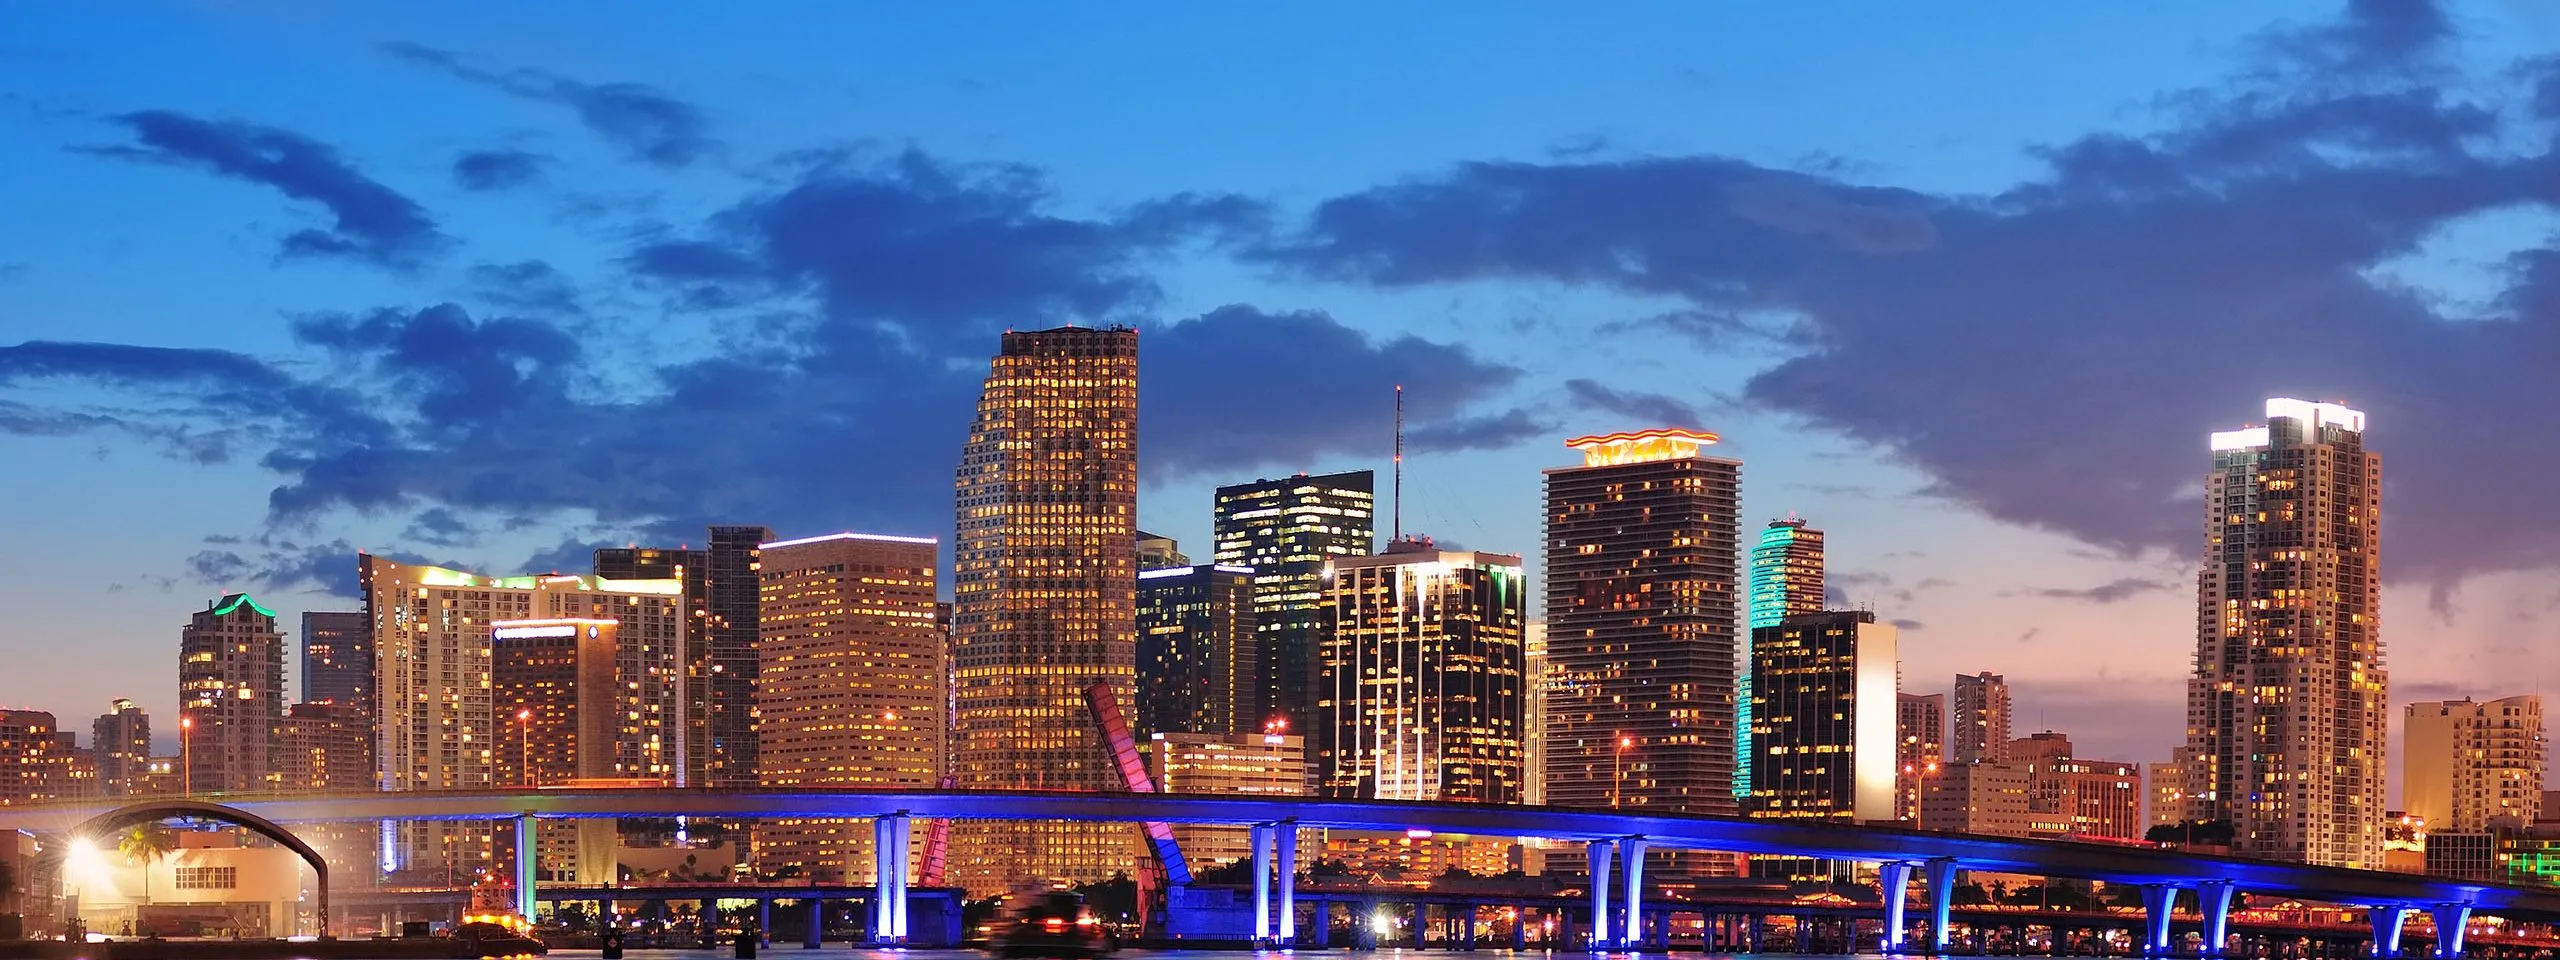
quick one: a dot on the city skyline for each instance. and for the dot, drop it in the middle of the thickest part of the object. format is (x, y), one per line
(346, 402)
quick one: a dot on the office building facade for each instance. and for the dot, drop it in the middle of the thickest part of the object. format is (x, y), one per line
(120, 740)
(1642, 614)
(230, 695)
(337, 658)
(38, 761)
(1979, 729)
(1045, 595)
(2470, 767)
(1423, 676)
(851, 689)
(324, 747)
(1238, 764)
(1825, 717)
(1787, 568)
(1197, 659)
(2287, 711)
(1285, 530)
(1920, 727)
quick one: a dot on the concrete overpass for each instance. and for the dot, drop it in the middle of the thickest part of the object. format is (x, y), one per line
(1610, 837)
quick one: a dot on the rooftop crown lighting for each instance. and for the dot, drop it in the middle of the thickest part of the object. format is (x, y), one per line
(1641, 446)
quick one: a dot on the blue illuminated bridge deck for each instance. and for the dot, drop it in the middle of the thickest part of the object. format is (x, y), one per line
(1886, 845)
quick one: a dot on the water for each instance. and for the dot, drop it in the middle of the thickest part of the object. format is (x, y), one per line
(783, 951)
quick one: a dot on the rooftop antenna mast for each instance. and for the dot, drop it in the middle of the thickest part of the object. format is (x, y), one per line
(1396, 502)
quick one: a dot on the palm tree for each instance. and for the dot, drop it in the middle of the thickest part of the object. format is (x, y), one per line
(148, 843)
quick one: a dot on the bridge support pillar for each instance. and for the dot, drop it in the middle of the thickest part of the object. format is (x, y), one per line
(1261, 836)
(2387, 919)
(764, 921)
(2451, 919)
(817, 932)
(889, 878)
(1632, 849)
(2213, 901)
(1599, 851)
(1804, 934)
(2159, 902)
(1285, 838)
(525, 865)
(1942, 892)
(1758, 931)
(1893, 882)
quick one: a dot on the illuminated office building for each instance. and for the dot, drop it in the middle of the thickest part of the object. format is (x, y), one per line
(2470, 767)
(435, 705)
(1641, 618)
(38, 761)
(1920, 726)
(1423, 677)
(1044, 597)
(2287, 711)
(851, 687)
(121, 742)
(1533, 755)
(1824, 746)
(722, 592)
(554, 685)
(1786, 581)
(230, 694)
(1237, 764)
(1196, 652)
(337, 659)
(1981, 728)
(2165, 794)
(1285, 530)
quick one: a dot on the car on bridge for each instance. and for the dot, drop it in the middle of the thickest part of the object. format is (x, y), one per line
(1055, 924)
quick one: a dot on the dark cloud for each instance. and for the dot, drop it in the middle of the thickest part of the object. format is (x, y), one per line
(1200, 375)
(1492, 431)
(1909, 626)
(645, 123)
(439, 527)
(462, 370)
(947, 252)
(2113, 591)
(503, 169)
(370, 221)
(2053, 354)
(525, 285)
(1650, 409)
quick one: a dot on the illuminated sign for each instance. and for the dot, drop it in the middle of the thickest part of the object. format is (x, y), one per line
(1641, 446)
(545, 629)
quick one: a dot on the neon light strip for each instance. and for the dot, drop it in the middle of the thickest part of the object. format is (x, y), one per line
(237, 600)
(848, 535)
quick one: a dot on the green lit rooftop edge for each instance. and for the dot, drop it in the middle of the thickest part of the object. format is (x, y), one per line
(233, 602)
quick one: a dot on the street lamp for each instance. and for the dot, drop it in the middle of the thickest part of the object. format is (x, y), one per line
(1919, 774)
(186, 756)
(524, 746)
(1617, 764)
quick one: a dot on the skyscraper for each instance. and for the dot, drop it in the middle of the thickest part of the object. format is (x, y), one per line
(121, 739)
(850, 693)
(337, 659)
(324, 747)
(1423, 677)
(230, 694)
(435, 710)
(1826, 717)
(1921, 726)
(1786, 581)
(1196, 654)
(692, 568)
(1285, 530)
(37, 761)
(734, 593)
(2469, 766)
(1045, 594)
(1641, 623)
(554, 687)
(1980, 732)
(2286, 714)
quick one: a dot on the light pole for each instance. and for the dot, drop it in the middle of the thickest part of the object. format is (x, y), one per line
(1617, 768)
(524, 746)
(186, 756)
(1919, 774)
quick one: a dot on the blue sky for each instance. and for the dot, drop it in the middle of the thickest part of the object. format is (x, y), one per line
(1966, 287)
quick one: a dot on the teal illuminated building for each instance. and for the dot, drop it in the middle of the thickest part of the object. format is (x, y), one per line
(1786, 581)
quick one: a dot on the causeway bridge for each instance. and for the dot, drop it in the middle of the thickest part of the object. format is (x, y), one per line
(1615, 844)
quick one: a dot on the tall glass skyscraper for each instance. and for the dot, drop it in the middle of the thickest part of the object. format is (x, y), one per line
(1044, 596)
(337, 659)
(720, 588)
(1285, 530)
(1424, 679)
(2287, 711)
(1786, 581)
(1196, 658)
(1641, 624)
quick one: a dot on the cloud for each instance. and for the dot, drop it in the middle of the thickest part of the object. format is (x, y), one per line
(1652, 409)
(2113, 591)
(1909, 626)
(2052, 354)
(369, 221)
(647, 124)
(525, 285)
(503, 169)
(1200, 375)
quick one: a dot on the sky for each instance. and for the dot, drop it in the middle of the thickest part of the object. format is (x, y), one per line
(492, 286)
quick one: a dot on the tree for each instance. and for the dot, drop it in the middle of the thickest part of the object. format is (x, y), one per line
(1116, 897)
(147, 843)
(1970, 894)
